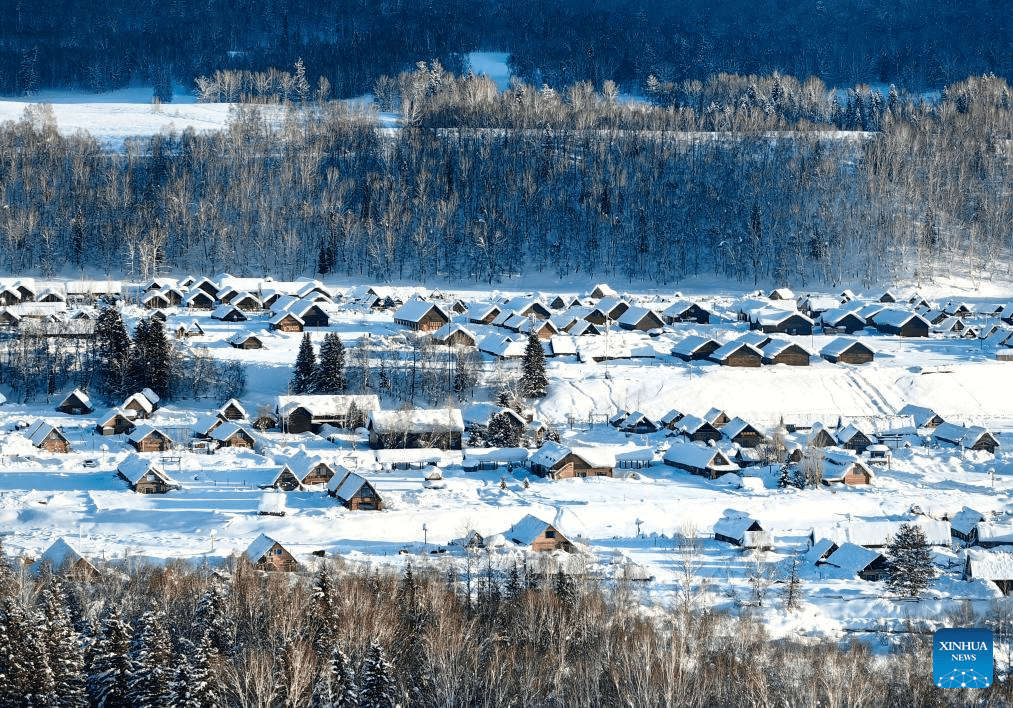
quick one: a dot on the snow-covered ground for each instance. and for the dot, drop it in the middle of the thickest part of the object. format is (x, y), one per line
(632, 519)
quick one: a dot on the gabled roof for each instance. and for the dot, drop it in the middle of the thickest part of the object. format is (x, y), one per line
(773, 316)
(832, 318)
(112, 413)
(260, 547)
(841, 345)
(226, 430)
(135, 468)
(965, 520)
(233, 403)
(819, 550)
(283, 315)
(80, 395)
(852, 559)
(919, 414)
(736, 425)
(527, 530)
(850, 431)
(734, 524)
(60, 555)
(691, 344)
(958, 434)
(143, 431)
(699, 457)
(414, 310)
(141, 400)
(40, 430)
(680, 307)
(779, 346)
(897, 318)
(348, 485)
(223, 311)
(988, 565)
(634, 315)
(732, 347)
(451, 328)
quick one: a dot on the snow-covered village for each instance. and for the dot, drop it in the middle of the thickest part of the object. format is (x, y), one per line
(756, 442)
(488, 354)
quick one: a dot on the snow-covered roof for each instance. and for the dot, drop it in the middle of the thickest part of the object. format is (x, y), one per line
(549, 454)
(634, 315)
(852, 558)
(736, 425)
(327, 405)
(141, 400)
(988, 564)
(417, 420)
(525, 531)
(833, 317)
(700, 457)
(414, 310)
(734, 524)
(110, 414)
(841, 345)
(259, 548)
(920, 414)
(850, 431)
(958, 434)
(233, 403)
(777, 346)
(995, 533)
(502, 346)
(691, 344)
(772, 316)
(679, 308)
(896, 318)
(135, 468)
(223, 311)
(965, 520)
(60, 555)
(563, 345)
(285, 314)
(444, 332)
(818, 550)
(346, 486)
(731, 347)
(691, 423)
(80, 395)
(226, 430)
(143, 431)
(881, 531)
(39, 431)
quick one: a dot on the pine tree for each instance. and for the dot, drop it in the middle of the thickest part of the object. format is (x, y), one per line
(503, 431)
(376, 686)
(909, 562)
(335, 685)
(16, 680)
(62, 645)
(323, 600)
(211, 616)
(305, 367)
(151, 681)
(197, 679)
(793, 584)
(151, 362)
(112, 353)
(330, 376)
(533, 380)
(111, 669)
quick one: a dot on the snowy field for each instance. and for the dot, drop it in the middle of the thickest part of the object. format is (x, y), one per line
(631, 521)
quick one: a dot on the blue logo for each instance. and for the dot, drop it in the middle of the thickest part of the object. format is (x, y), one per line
(962, 658)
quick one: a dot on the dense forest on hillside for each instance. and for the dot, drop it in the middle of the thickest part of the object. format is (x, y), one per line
(467, 633)
(761, 179)
(924, 44)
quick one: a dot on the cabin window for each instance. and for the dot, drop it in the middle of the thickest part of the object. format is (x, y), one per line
(549, 533)
(277, 551)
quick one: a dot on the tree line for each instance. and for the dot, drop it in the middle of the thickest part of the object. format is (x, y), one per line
(475, 632)
(350, 44)
(773, 180)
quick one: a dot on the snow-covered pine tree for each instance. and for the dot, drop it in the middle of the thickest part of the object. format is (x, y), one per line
(335, 685)
(211, 615)
(151, 681)
(793, 583)
(197, 683)
(330, 377)
(503, 431)
(304, 375)
(112, 352)
(325, 611)
(909, 562)
(16, 680)
(110, 672)
(533, 380)
(62, 645)
(376, 684)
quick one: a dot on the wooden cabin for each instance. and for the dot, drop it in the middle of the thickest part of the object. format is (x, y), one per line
(232, 435)
(354, 492)
(307, 413)
(699, 459)
(144, 476)
(287, 322)
(742, 530)
(738, 354)
(847, 351)
(75, 403)
(994, 566)
(232, 410)
(441, 428)
(64, 560)
(684, 311)
(742, 433)
(267, 554)
(246, 340)
(556, 461)
(47, 437)
(115, 422)
(779, 351)
(148, 439)
(537, 535)
(421, 316)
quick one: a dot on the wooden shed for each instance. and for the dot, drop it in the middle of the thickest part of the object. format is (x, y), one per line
(148, 439)
(114, 422)
(63, 559)
(847, 351)
(144, 476)
(779, 351)
(421, 316)
(47, 437)
(232, 435)
(738, 354)
(557, 461)
(699, 459)
(286, 322)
